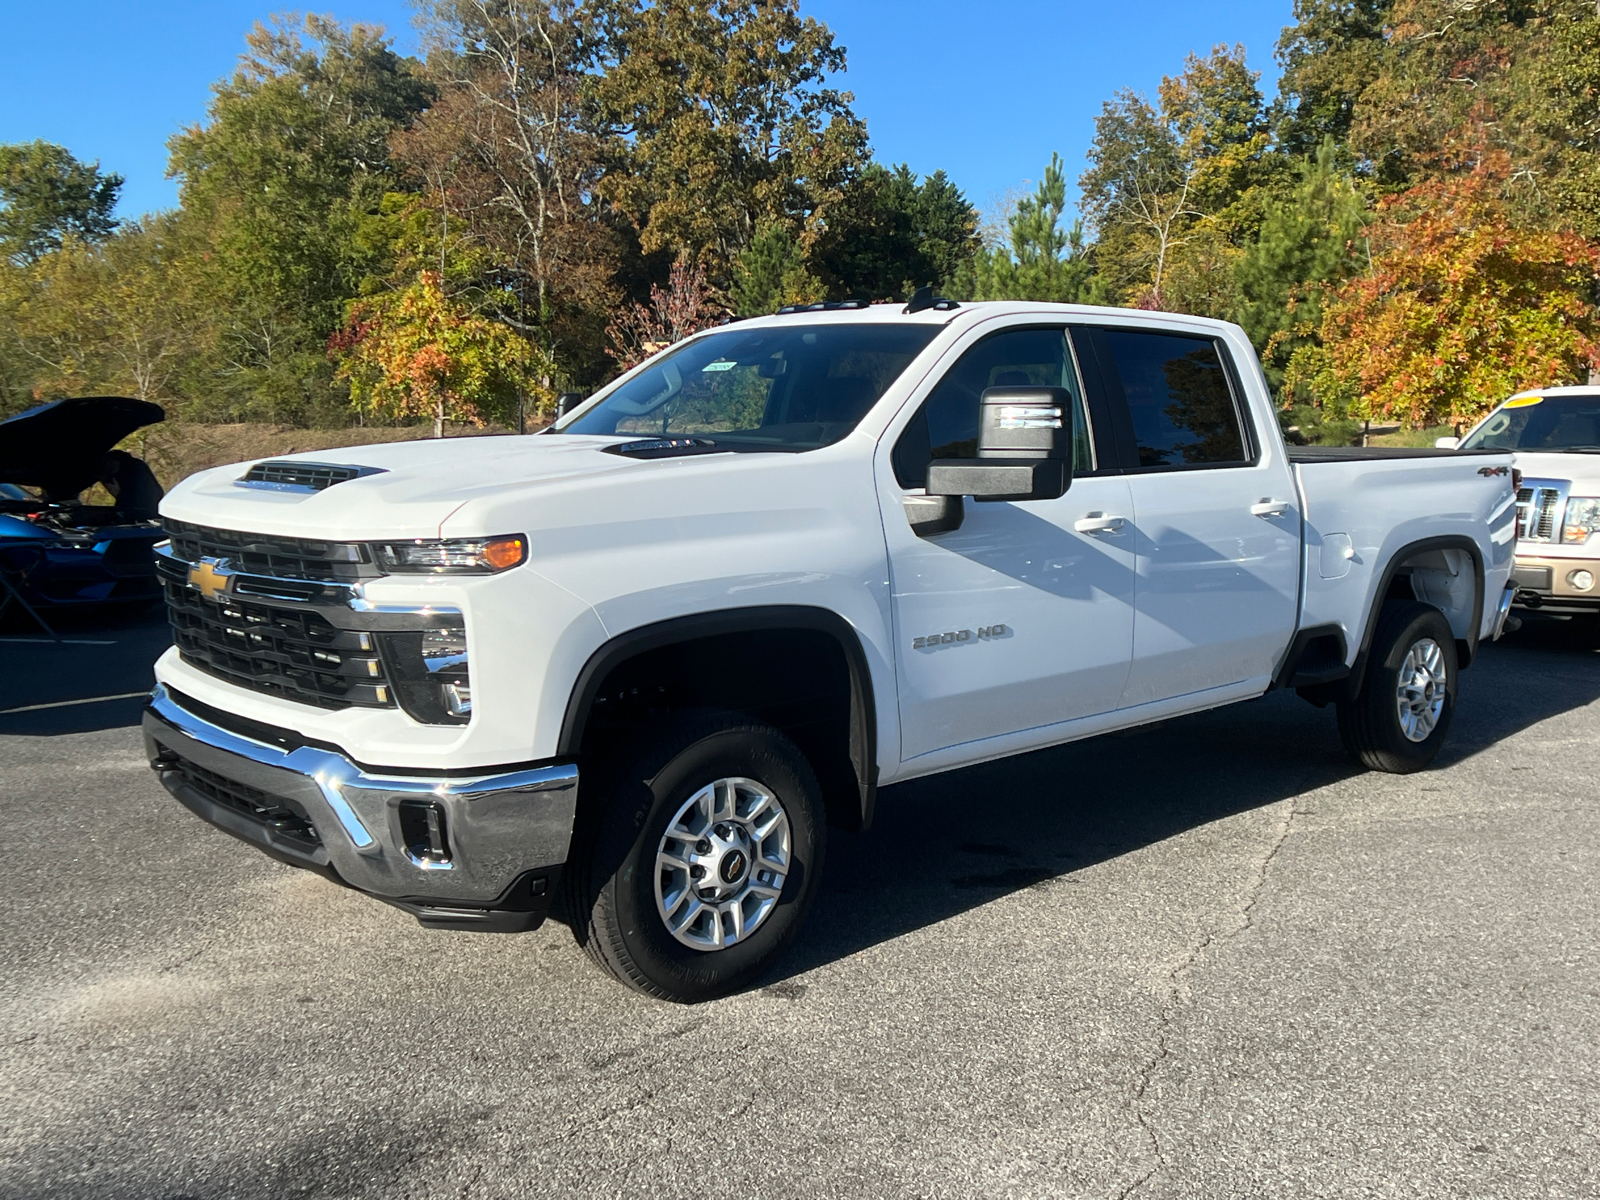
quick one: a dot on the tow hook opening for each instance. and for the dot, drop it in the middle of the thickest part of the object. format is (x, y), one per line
(426, 834)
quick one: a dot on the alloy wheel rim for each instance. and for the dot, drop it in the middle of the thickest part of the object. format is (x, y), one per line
(1419, 696)
(721, 864)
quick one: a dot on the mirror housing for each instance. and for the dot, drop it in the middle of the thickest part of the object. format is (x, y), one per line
(567, 401)
(1446, 443)
(1024, 448)
(933, 514)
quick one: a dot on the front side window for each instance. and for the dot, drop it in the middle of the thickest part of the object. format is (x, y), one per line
(1179, 398)
(790, 387)
(946, 426)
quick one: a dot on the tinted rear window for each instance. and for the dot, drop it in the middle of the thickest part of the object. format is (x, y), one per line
(1179, 398)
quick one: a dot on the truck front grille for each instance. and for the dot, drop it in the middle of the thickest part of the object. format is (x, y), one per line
(1539, 513)
(271, 811)
(297, 655)
(269, 555)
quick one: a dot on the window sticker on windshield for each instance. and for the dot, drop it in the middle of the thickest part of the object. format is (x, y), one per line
(1524, 402)
(720, 365)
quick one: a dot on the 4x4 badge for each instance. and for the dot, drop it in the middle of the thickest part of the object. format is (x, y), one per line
(1486, 472)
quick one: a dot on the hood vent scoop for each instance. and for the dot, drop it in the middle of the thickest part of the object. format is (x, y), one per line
(663, 447)
(301, 476)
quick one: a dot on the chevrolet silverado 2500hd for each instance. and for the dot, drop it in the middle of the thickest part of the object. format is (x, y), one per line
(1554, 434)
(778, 565)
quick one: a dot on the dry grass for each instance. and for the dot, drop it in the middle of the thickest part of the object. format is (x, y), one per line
(176, 449)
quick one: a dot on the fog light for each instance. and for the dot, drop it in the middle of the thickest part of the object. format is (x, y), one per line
(1580, 580)
(429, 670)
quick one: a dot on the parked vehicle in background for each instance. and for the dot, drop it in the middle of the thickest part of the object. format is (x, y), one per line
(770, 569)
(56, 551)
(1554, 435)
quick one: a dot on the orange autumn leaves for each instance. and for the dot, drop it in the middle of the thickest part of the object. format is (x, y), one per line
(420, 353)
(1459, 308)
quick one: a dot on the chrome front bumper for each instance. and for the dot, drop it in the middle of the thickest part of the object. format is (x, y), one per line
(474, 851)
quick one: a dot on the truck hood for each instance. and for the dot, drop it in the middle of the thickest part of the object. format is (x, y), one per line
(1581, 468)
(404, 489)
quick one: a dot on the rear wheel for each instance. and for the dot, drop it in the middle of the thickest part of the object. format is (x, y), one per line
(702, 859)
(1401, 716)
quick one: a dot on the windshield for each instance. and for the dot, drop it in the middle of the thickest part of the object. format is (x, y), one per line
(1548, 423)
(791, 387)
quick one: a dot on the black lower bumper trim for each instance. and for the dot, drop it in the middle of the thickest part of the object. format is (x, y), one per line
(522, 908)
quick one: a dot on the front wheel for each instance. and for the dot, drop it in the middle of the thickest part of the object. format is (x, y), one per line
(1400, 718)
(702, 861)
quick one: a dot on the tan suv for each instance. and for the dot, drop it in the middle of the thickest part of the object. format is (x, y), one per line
(1555, 435)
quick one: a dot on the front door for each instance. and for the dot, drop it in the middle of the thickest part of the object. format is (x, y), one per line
(1218, 529)
(1023, 617)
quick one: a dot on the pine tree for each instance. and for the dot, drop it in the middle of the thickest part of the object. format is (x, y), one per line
(1041, 260)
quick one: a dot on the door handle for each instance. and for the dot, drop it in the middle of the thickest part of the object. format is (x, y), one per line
(1099, 522)
(1269, 508)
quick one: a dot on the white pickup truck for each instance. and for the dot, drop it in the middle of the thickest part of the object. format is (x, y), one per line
(777, 566)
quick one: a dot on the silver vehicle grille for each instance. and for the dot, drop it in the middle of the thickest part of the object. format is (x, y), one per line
(1540, 506)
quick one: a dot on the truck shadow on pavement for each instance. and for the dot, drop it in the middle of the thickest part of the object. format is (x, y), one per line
(944, 845)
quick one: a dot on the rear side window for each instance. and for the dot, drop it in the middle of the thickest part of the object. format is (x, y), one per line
(947, 424)
(1179, 397)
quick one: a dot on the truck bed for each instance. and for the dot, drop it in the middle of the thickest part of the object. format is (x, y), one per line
(1317, 454)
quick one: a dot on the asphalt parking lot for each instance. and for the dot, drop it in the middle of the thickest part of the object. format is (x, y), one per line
(1203, 960)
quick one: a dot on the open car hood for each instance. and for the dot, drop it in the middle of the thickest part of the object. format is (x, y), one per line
(59, 446)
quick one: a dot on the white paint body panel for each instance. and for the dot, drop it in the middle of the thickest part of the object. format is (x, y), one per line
(617, 544)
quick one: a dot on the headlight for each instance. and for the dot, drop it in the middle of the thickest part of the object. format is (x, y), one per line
(430, 674)
(453, 556)
(1583, 518)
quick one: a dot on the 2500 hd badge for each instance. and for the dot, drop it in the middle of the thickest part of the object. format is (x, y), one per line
(958, 635)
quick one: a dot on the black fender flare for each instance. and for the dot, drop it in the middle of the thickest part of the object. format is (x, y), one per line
(1466, 648)
(697, 626)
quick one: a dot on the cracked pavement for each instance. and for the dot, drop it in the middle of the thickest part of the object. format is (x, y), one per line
(1204, 959)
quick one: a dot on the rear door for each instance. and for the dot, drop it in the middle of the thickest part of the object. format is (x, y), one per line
(1023, 617)
(1217, 538)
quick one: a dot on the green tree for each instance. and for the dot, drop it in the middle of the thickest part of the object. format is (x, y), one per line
(508, 159)
(47, 195)
(726, 123)
(1309, 238)
(292, 159)
(115, 317)
(1174, 190)
(1041, 259)
(1560, 107)
(893, 233)
(771, 272)
(1329, 56)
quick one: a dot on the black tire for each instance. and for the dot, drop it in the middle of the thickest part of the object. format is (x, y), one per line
(1370, 725)
(611, 886)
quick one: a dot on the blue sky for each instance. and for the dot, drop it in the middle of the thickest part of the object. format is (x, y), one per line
(984, 90)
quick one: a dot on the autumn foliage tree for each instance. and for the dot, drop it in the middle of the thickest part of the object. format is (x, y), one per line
(419, 353)
(686, 305)
(1461, 308)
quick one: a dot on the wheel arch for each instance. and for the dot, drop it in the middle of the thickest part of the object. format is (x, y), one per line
(1467, 647)
(708, 627)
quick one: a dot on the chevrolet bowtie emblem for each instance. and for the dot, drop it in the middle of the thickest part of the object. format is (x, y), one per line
(209, 579)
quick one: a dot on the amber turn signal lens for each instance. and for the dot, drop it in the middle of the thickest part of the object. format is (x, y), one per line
(501, 553)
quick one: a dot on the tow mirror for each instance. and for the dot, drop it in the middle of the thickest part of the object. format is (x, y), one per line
(1446, 443)
(1024, 448)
